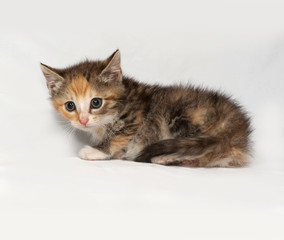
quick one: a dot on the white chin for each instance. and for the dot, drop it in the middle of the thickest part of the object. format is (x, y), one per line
(83, 128)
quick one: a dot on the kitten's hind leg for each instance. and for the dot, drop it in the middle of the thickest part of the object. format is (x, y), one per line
(91, 154)
(173, 150)
(199, 151)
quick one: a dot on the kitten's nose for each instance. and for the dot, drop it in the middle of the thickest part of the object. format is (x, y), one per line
(84, 121)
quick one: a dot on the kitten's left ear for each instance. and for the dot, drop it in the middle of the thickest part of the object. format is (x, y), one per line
(112, 71)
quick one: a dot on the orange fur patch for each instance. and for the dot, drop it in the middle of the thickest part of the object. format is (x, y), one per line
(198, 116)
(80, 87)
(117, 144)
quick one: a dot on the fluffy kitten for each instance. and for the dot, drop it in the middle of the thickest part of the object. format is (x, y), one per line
(175, 125)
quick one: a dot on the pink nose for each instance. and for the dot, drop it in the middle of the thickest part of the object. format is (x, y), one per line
(84, 121)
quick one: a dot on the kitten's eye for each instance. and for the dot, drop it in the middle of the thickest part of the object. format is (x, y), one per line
(70, 106)
(96, 103)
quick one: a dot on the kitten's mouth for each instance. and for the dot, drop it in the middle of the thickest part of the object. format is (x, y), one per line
(82, 127)
(85, 127)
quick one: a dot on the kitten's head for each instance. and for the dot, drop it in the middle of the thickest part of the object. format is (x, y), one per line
(87, 94)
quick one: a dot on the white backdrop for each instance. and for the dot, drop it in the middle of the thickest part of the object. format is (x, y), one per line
(47, 192)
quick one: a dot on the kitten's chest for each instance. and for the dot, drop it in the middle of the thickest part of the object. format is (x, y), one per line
(122, 135)
(98, 135)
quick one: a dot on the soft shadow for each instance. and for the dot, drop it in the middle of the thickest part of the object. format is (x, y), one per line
(80, 138)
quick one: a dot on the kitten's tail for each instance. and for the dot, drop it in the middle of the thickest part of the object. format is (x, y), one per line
(196, 152)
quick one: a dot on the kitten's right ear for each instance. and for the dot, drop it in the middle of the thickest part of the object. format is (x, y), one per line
(53, 80)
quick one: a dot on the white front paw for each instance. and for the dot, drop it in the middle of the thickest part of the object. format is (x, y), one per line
(89, 153)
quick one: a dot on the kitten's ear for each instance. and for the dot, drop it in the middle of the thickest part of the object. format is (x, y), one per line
(112, 71)
(53, 80)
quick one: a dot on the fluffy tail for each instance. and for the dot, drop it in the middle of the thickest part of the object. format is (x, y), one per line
(200, 151)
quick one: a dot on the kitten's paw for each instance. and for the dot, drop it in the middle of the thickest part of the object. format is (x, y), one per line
(91, 154)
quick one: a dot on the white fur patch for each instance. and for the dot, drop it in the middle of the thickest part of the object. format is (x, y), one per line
(224, 162)
(54, 86)
(132, 150)
(165, 159)
(89, 153)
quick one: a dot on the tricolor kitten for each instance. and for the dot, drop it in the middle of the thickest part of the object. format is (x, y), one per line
(175, 125)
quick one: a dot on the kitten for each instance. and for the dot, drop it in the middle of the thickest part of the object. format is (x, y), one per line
(175, 125)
